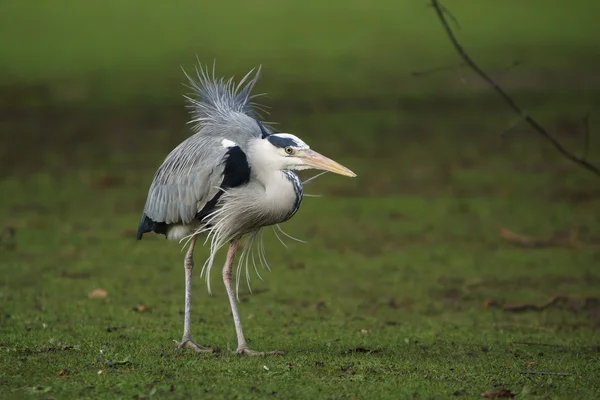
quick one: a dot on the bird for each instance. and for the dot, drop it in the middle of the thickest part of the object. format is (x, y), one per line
(232, 177)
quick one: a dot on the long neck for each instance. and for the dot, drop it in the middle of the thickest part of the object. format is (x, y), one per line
(265, 165)
(283, 188)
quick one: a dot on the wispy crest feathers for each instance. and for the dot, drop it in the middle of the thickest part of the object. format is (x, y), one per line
(216, 100)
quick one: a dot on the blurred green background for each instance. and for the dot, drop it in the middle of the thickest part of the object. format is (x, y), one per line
(396, 293)
(131, 51)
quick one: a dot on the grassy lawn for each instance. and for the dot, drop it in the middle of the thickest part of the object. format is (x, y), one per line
(406, 287)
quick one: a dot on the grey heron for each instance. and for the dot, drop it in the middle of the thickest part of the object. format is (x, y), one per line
(231, 178)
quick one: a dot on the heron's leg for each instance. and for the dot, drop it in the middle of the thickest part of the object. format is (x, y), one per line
(242, 347)
(186, 341)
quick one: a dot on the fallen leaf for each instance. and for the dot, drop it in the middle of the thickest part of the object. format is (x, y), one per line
(529, 363)
(499, 394)
(141, 308)
(97, 294)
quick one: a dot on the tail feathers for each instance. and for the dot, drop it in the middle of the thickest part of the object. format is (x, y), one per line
(147, 225)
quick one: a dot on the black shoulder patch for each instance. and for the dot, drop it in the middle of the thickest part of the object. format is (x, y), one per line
(281, 142)
(236, 173)
(237, 169)
(147, 225)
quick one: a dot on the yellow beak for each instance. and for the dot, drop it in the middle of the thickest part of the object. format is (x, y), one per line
(317, 161)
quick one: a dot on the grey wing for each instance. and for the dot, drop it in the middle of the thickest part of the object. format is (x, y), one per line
(188, 178)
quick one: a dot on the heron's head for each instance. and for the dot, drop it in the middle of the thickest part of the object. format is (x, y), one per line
(285, 151)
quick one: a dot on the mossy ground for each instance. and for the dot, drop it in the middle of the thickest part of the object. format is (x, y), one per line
(398, 292)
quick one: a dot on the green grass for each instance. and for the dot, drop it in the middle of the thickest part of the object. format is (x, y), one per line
(386, 300)
(417, 285)
(394, 294)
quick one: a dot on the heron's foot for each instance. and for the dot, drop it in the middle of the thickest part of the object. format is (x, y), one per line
(189, 344)
(247, 352)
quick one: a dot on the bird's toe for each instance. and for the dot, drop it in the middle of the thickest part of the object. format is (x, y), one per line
(189, 344)
(248, 352)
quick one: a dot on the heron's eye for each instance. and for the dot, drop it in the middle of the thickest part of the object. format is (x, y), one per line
(289, 150)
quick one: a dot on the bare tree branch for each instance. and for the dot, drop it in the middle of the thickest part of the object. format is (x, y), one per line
(581, 161)
(444, 10)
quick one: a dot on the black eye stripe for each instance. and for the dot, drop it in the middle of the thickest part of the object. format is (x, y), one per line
(281, 142)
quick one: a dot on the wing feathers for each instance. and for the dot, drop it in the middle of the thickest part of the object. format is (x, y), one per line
(192, 174)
